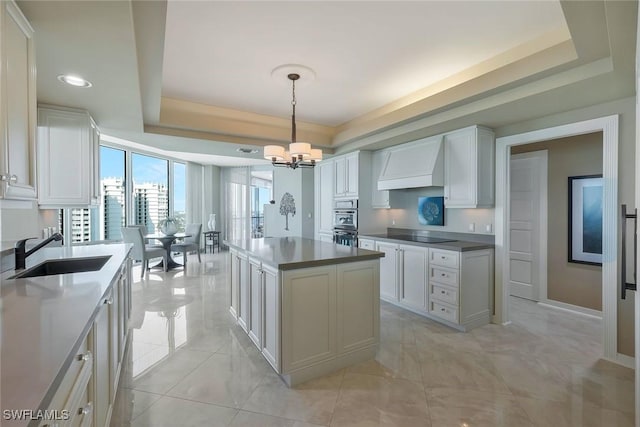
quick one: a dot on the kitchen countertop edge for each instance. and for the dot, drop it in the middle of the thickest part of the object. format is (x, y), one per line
(457, 245)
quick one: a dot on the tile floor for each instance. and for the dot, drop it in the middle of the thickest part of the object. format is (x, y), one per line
(189, 365)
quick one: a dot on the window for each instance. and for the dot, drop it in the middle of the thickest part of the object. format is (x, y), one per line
(179, 194)
(148, 203)
(150, 192)
(261, 185)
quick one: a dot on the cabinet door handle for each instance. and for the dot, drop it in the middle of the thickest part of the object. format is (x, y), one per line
(86, 410)
(85, 357)
(108, 301)
(13, 178)
(624, 285)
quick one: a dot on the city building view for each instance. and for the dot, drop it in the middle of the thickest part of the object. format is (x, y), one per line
(149, 198)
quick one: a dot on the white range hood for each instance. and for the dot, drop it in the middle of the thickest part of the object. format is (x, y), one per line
(416, 164)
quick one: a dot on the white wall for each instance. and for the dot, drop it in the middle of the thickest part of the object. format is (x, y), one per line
(299, 183)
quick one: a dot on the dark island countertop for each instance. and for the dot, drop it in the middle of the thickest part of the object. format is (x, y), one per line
(290, 253)
(450, 245)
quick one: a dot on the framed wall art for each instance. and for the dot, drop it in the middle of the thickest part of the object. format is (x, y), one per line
(585, 219)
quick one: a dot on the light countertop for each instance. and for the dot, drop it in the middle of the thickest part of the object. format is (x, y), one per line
(290, 253)
(44, 319)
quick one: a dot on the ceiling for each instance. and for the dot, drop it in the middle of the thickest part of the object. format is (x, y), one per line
(192, 79)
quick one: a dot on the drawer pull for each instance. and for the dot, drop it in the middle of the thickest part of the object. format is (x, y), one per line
(85, 357)
(443, 275)
(442, 309)
(86, 410)
(443, 292)
(109, 301)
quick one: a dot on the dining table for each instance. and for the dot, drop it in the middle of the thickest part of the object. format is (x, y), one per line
(167, 240)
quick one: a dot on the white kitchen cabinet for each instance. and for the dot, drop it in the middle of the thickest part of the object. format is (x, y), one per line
(67, 136)
(325, 237)
(367, 244)
(254, 318)
(388, 271)
(324, 189)
(234, 284)
(308, 316)
(244, 299)
(271, 316)
(413, 262)
(460, 286)
(379, 198)
(347, 178)
(469, 168)
(17, 105)
(100, 344)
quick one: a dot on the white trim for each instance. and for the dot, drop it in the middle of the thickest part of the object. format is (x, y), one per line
(609, 128)
(575, 309)
(624, 360)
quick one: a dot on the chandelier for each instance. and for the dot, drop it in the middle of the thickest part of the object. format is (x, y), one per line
(300, 154)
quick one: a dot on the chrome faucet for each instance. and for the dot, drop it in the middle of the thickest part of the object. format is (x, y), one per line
(21, 255)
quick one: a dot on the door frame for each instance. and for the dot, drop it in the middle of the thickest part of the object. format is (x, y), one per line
(609, 128)
(544, 200)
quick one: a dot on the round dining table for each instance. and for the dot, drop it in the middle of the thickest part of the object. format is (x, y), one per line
(167, 240)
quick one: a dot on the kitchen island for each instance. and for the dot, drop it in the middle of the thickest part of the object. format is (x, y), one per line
(310, 307)
(63, 338)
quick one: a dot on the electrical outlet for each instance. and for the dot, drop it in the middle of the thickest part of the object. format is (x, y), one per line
(472, 226)
(488, 228)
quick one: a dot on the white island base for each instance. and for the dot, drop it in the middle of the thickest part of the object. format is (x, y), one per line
(308, 321)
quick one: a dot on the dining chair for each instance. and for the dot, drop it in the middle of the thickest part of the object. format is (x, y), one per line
(140, 252)
(191, 243)
(144, 230)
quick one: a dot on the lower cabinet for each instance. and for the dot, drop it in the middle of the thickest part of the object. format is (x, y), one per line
(88, 389)
(449, 286)
(244, 300)
(235, 283)
(254, 318)
(271, 316)
(388, 271)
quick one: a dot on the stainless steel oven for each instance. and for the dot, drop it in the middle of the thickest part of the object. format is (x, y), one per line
(345, 222)
(345, 237)
(345, 214)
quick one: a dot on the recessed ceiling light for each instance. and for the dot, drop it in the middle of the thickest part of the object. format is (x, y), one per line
(74, 80)
(247, 150)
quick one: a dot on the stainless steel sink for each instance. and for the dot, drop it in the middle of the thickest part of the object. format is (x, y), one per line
(64, 266)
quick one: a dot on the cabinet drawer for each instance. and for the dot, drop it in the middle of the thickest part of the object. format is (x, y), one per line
(444, 294)
(444, 258)
(81, 363)
(367, 244)
(443, 311)
(445, 276)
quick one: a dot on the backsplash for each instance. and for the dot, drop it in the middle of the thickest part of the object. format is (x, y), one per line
(404, 214)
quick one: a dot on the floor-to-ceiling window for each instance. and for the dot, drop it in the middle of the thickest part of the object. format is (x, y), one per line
(135, 188)
(150, 190)
(179, 187)
(260, 193)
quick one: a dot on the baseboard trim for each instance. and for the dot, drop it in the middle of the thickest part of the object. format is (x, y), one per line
(588, 312)
(624, 360)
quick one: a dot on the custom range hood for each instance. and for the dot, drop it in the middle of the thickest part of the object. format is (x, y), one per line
(413, 165)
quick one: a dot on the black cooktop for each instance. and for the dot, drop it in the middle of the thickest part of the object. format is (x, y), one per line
(419, 239)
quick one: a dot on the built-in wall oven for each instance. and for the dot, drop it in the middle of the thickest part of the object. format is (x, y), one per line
(345, 222)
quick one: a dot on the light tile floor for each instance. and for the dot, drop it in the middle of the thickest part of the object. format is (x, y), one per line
(189, 365)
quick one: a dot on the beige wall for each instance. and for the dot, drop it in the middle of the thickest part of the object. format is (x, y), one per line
(571, 283)
(625, 109)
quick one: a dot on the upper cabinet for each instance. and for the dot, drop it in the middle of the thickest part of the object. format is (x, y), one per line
(17, 105)
(379, 198)
(347, 176)
(67, 137)
(324, 175)
(352, 175)
(469, 168)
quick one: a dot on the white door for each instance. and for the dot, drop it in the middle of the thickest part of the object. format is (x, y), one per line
(527, 224)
